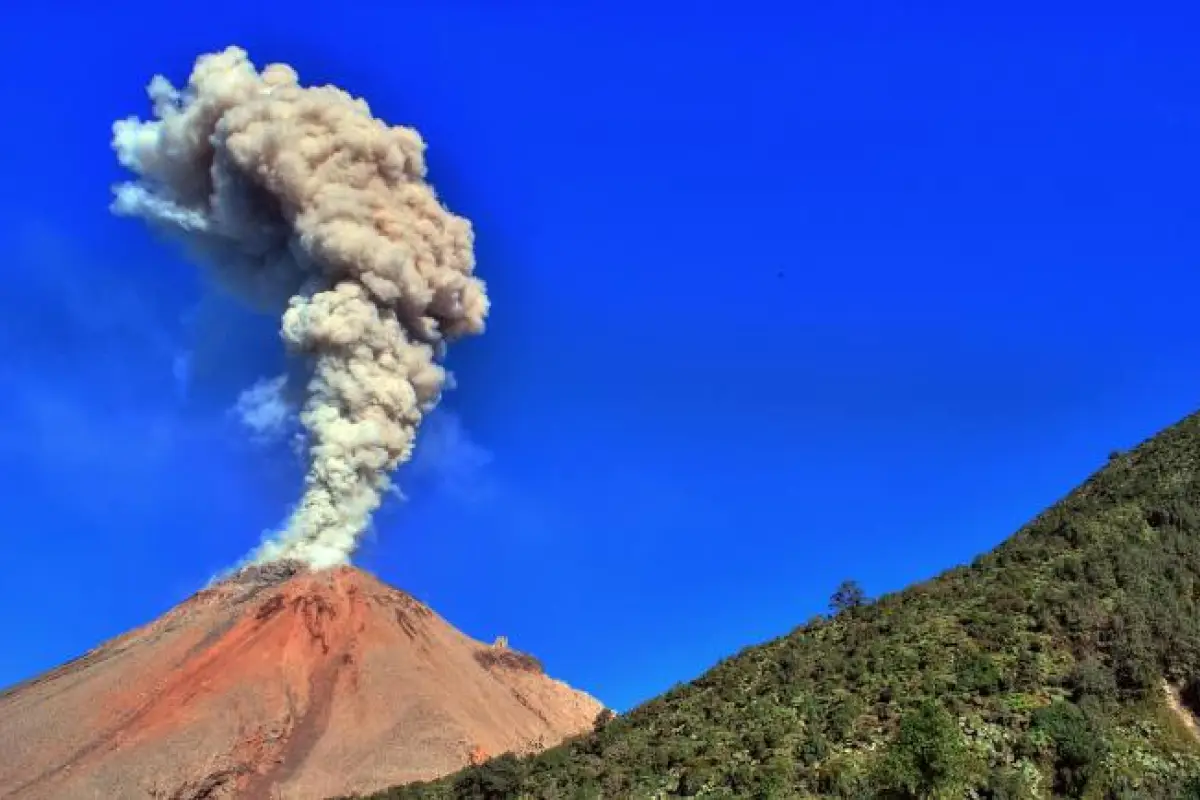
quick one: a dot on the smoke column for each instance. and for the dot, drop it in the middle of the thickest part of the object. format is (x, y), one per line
(297, 200)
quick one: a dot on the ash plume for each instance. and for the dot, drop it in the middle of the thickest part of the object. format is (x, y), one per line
(300, 202)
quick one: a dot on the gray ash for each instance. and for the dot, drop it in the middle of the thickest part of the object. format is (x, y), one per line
(253, 579)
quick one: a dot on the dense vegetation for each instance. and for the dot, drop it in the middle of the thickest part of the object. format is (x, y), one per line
(1046, 668)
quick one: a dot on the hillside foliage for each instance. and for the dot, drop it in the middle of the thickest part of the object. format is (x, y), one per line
(1046, 668)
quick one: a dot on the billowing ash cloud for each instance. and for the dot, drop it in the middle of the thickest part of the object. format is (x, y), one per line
(297, 199)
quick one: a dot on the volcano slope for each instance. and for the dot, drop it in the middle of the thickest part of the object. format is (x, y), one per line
(278, 683)
(1061, 664)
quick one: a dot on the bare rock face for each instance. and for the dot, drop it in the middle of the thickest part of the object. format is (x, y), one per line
(279, 683)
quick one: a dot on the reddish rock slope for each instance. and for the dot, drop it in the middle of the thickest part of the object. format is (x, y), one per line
(278, 684)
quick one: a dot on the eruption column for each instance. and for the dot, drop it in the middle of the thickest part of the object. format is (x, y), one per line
(298, 201)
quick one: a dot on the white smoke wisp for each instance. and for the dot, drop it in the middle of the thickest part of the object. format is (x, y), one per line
(264, 410)
(296, 199)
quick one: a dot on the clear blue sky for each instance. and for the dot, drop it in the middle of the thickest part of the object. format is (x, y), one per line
(780, 298)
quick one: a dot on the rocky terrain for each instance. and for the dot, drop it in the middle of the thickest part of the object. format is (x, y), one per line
(279, 683)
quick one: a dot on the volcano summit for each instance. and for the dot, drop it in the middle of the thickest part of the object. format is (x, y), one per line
(280, 682)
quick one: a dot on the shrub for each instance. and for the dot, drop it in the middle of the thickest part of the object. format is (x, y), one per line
(928, 757)
(1076, 747)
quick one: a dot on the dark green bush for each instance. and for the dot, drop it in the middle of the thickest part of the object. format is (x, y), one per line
(928, 757)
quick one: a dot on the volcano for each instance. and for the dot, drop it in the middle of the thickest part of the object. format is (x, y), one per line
(277, 683)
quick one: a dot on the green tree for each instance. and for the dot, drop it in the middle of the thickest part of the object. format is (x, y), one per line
(979, 673)
(1091, 678)
(1076, 746)
(927, 759)
(498, 779)
(848, 595)
(1190, 790)
(602, 720)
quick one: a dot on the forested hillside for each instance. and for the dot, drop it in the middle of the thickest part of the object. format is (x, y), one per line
(1046, 668)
